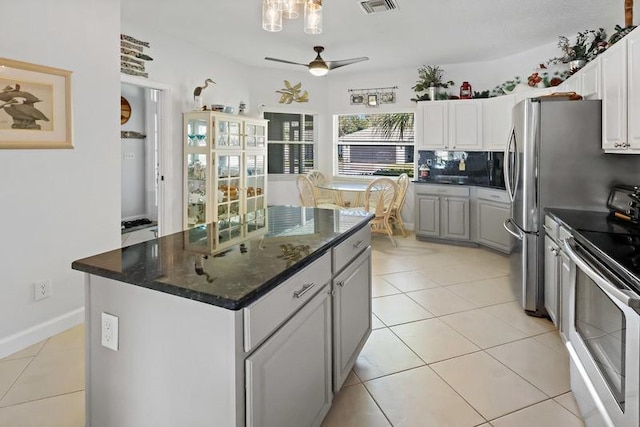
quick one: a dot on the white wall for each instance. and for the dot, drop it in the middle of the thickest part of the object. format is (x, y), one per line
(60, 205)
(133, 169)
(182, 66)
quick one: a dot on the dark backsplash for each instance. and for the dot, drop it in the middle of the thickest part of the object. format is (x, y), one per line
(483, 168)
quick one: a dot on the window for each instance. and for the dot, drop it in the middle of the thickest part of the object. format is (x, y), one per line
(375, 144)
(291, 143)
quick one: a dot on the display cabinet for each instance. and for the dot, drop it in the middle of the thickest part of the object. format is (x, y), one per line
(225, 169)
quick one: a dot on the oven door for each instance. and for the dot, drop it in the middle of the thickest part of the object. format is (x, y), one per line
(604, 341)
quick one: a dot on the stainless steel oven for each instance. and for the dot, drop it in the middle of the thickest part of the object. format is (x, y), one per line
(604, 342)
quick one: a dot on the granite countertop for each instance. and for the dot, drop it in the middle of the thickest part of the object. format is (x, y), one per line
(229, 264)
(614, 242)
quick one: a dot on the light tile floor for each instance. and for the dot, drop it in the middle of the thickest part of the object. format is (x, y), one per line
(450, 347)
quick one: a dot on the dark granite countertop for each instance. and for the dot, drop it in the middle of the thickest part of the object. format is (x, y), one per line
(244, 262)
(470, 181)
(615, 242)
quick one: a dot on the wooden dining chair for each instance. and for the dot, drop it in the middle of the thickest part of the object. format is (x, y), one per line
(395, 216)
(307, 195)
(322, 196)
(378, 199)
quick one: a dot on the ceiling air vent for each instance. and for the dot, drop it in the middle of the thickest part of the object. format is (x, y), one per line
(377, 6)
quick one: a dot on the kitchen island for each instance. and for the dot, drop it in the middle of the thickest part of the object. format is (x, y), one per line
(255, 323)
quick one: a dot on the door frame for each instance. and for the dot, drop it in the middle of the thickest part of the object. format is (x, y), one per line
(165, 215)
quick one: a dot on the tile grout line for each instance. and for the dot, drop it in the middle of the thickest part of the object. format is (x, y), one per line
(43, 398)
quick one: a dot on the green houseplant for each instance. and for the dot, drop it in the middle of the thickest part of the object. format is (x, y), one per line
(430, 77)
(588, 44)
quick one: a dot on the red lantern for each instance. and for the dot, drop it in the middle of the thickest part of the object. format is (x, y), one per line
(466, 91)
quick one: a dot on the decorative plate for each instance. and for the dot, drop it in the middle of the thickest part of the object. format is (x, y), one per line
(125, 110)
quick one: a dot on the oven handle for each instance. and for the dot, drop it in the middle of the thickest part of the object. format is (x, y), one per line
(625, 296)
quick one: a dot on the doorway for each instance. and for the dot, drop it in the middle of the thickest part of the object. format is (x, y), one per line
(141, 171)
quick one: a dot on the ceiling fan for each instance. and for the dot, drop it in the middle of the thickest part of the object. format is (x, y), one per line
(320, 67)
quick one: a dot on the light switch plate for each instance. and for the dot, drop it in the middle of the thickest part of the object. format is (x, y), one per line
(110, 331)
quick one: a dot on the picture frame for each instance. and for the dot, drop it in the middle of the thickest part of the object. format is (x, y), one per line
(357, 99)
(35, 106)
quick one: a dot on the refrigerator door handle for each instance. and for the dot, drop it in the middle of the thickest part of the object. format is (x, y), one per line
(508, 165)
(518, 235)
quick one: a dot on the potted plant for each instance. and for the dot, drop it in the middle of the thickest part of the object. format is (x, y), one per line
(430, 78)
(588, 45)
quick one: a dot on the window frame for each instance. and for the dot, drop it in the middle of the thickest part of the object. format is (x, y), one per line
(336, 142)
(301, 112)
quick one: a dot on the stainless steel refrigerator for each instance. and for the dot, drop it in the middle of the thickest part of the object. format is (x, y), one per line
(554, 158)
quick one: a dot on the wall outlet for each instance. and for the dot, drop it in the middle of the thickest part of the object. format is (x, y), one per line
(129, 156)
(42, 289)
(110, 331)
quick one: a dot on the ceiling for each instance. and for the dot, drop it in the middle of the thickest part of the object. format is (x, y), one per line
(418, 32)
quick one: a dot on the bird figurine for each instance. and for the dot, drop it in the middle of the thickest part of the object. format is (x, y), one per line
(198, 90)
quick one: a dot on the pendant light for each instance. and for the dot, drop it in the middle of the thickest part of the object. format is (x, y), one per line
(271, 15)
(313, 16)
(289, 9)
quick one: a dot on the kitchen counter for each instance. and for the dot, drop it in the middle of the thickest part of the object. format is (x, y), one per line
(617, 243)
(194, 264)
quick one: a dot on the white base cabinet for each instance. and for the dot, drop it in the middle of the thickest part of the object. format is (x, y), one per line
(289, 377)
(552, 266)
(351, 316)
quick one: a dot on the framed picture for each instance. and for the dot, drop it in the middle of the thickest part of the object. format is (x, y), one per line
(357, 99)
(35, 106)
(372, 100)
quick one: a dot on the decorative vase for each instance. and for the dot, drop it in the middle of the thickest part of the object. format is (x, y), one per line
(433, 92)
(576, 64)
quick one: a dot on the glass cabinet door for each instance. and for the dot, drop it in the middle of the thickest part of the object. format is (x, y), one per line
(227, 133)
(197, 129)
(256, 180)
(197, 189)
(255, 135)
(229, 197)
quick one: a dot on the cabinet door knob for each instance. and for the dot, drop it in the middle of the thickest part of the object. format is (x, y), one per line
(305, 288)
(341, 284)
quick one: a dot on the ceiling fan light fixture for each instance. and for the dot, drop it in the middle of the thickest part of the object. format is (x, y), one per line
(318, 67)
(313, 16)
(271, 15)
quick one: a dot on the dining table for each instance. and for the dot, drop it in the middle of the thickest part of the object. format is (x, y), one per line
(356, 190)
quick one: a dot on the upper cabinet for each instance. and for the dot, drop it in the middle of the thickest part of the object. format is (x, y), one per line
(589, 79)
(450, 125)
(496, 122)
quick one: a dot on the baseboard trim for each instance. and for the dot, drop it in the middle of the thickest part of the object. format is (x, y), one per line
(35, 334)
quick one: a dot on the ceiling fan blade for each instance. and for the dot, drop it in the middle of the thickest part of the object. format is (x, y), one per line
(341, 63)
(284, 61)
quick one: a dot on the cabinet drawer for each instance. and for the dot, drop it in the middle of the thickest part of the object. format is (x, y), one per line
(444, 190)
(499, 196)
(265, 315)
(551, 227)
(350, 248)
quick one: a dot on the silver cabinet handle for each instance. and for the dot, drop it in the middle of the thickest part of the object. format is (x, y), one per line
(359, 244)
(341, 284)
(305, 288)
(625, 296)
(547, 229)
(517, 235)
(555, 252)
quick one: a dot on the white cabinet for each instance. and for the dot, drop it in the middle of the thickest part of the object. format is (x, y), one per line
(432, 126)
(289, 377)
(552, 262)
(450, 125)
(620, 95)
(351, 315)
(493, 210)
(442, 212)
(497, 121)
(590, 79)
(225, 168)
